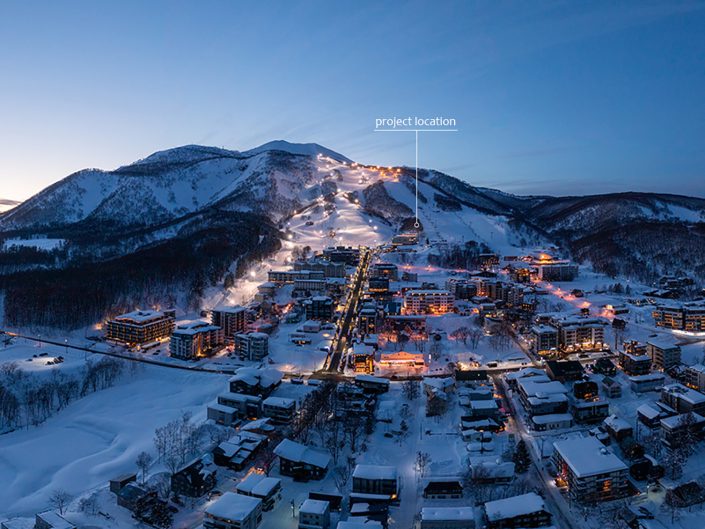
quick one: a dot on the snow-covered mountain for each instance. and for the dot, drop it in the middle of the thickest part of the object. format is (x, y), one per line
(182, 219)
(277, 180)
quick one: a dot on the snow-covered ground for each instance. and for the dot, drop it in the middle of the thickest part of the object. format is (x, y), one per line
(99, 436)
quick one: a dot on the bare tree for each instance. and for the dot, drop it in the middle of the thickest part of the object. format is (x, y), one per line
(144, 461)
(60, 499)
(462, 334)
(423, 459)
(410, 389)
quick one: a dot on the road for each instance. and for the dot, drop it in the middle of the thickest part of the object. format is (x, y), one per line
(552, 496)
(342, 338)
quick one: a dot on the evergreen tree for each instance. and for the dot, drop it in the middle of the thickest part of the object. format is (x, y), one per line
(522, 459)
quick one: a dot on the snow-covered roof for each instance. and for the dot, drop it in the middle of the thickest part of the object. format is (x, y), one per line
(687, 394)
(279, 402)
(533, 387)
(515, 506)
(440, 514)
(372, 379)
(677, 420)
(491, 469)
(294, 451)
(258, 485)
(586, 456)
(359, 524)
(314, 506)
(233, 506)
(141, 316)
(649, 377)
(552, 418)
(617, 423)
(375, 472)
(648, 410)
(55, 520)
(662, 343)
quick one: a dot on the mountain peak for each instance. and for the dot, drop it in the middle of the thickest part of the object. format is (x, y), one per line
(186, 153)
(311, 149)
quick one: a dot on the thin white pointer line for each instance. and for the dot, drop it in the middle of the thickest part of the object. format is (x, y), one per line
(417, 180)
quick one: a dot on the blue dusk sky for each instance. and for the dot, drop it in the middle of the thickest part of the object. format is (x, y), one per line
(550, 97)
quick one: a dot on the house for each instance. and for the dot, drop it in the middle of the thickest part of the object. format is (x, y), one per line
(589, 471)
(611, 387)
(265, 488)
(233, 511)
(635, 364)
(359, 524)
(483, 408)
(447, 518)
(585, 390)
(314, 514)
(664, 354)
(375, 479)
(372, 384)
(368, 510)
(686, 427)
(651, 413)
(302, 462)
(491, 472)
(195, 479)
(644, 383)
(683, 399)
(116, 484)
(589, 411)
(280, 410)
(551, 421)
(443, 489)
(695, 377)
(245, 406)
(239, 450)
(564, 370)
(541, 396)
(131, 495)
(52, 520)
(258, 381)
(527, 510)
(223, 415)
(618, 428)
(604, 366)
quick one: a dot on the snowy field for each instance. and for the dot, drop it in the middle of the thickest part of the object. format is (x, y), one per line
(97, 437)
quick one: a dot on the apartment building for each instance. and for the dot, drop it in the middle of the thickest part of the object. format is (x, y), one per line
(252, 345)
(589, 471)
(683, 399)
(233, 511)
(428, 302)
(140, 327)
(195, 340)
(664, 354)
(681, 316)
(230, 319)
(544, 339)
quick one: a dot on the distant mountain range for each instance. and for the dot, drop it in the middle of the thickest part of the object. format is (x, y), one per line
(176, 220)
